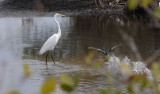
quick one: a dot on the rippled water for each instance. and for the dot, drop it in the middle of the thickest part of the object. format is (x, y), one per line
(21, 39)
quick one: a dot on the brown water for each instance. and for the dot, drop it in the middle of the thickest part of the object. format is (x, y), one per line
(22, 38)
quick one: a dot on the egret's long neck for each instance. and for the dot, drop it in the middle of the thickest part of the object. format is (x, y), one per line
(59, 28)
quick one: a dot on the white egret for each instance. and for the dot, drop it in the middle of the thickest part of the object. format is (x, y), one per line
(52, 41)
(105, 52)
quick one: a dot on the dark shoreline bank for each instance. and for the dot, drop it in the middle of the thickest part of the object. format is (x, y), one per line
(32, 13)
(68, 7)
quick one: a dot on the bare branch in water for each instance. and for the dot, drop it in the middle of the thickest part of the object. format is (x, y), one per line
(154, 56)
(131, 43)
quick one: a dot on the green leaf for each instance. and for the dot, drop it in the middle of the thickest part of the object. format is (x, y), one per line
(157, 12)
(49, 86)
(110, 91)
(89, 57)
(106, 58)
(104, 91)
(66, 87)
(143, 81)
(130, 89)
(132, 4)
(97, 65)
(13, 92)
(27, 70)
(158, 89)
(145, 3)
(67, 83)
(66, 79)
(126, 69)
(76, 80)
(156, 70)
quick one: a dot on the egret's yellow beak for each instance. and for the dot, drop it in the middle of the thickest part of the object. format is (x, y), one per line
(61, 15)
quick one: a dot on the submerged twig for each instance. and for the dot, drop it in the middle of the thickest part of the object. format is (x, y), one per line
(131, 43)
(151, 58)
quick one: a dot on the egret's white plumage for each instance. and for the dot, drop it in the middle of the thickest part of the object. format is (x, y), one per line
(49, 44)
(52, 41)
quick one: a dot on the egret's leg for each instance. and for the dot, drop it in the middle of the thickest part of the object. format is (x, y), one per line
(52, 58)
(47, 56)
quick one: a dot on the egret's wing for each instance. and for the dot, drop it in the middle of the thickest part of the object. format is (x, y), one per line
(49, 44)
(95, 49)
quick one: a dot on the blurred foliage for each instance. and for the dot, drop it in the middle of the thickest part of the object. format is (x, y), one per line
(110, 91)
(156, 70)
(89, 57)
(67, 83)
(125, 68)
(157, 13)
(146, 4)
(135, 83)
(133, 4)
(13, 92)
(97, 65)
(106, 58)
(140, 82)
(49, 86)
(27, 70)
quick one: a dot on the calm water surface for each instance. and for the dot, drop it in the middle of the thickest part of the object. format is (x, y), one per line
(22, 38)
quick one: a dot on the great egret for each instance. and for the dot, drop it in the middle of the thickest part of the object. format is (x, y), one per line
(105, 52)
(52, 41)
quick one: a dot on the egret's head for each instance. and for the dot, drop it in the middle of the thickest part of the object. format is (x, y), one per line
(58, 14)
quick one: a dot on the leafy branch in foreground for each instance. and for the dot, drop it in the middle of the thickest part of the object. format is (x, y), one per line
(150, 6)
(67, 84)
(133, 4)
(134, 82)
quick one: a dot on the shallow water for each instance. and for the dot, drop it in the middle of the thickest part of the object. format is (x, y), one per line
(22, 38)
